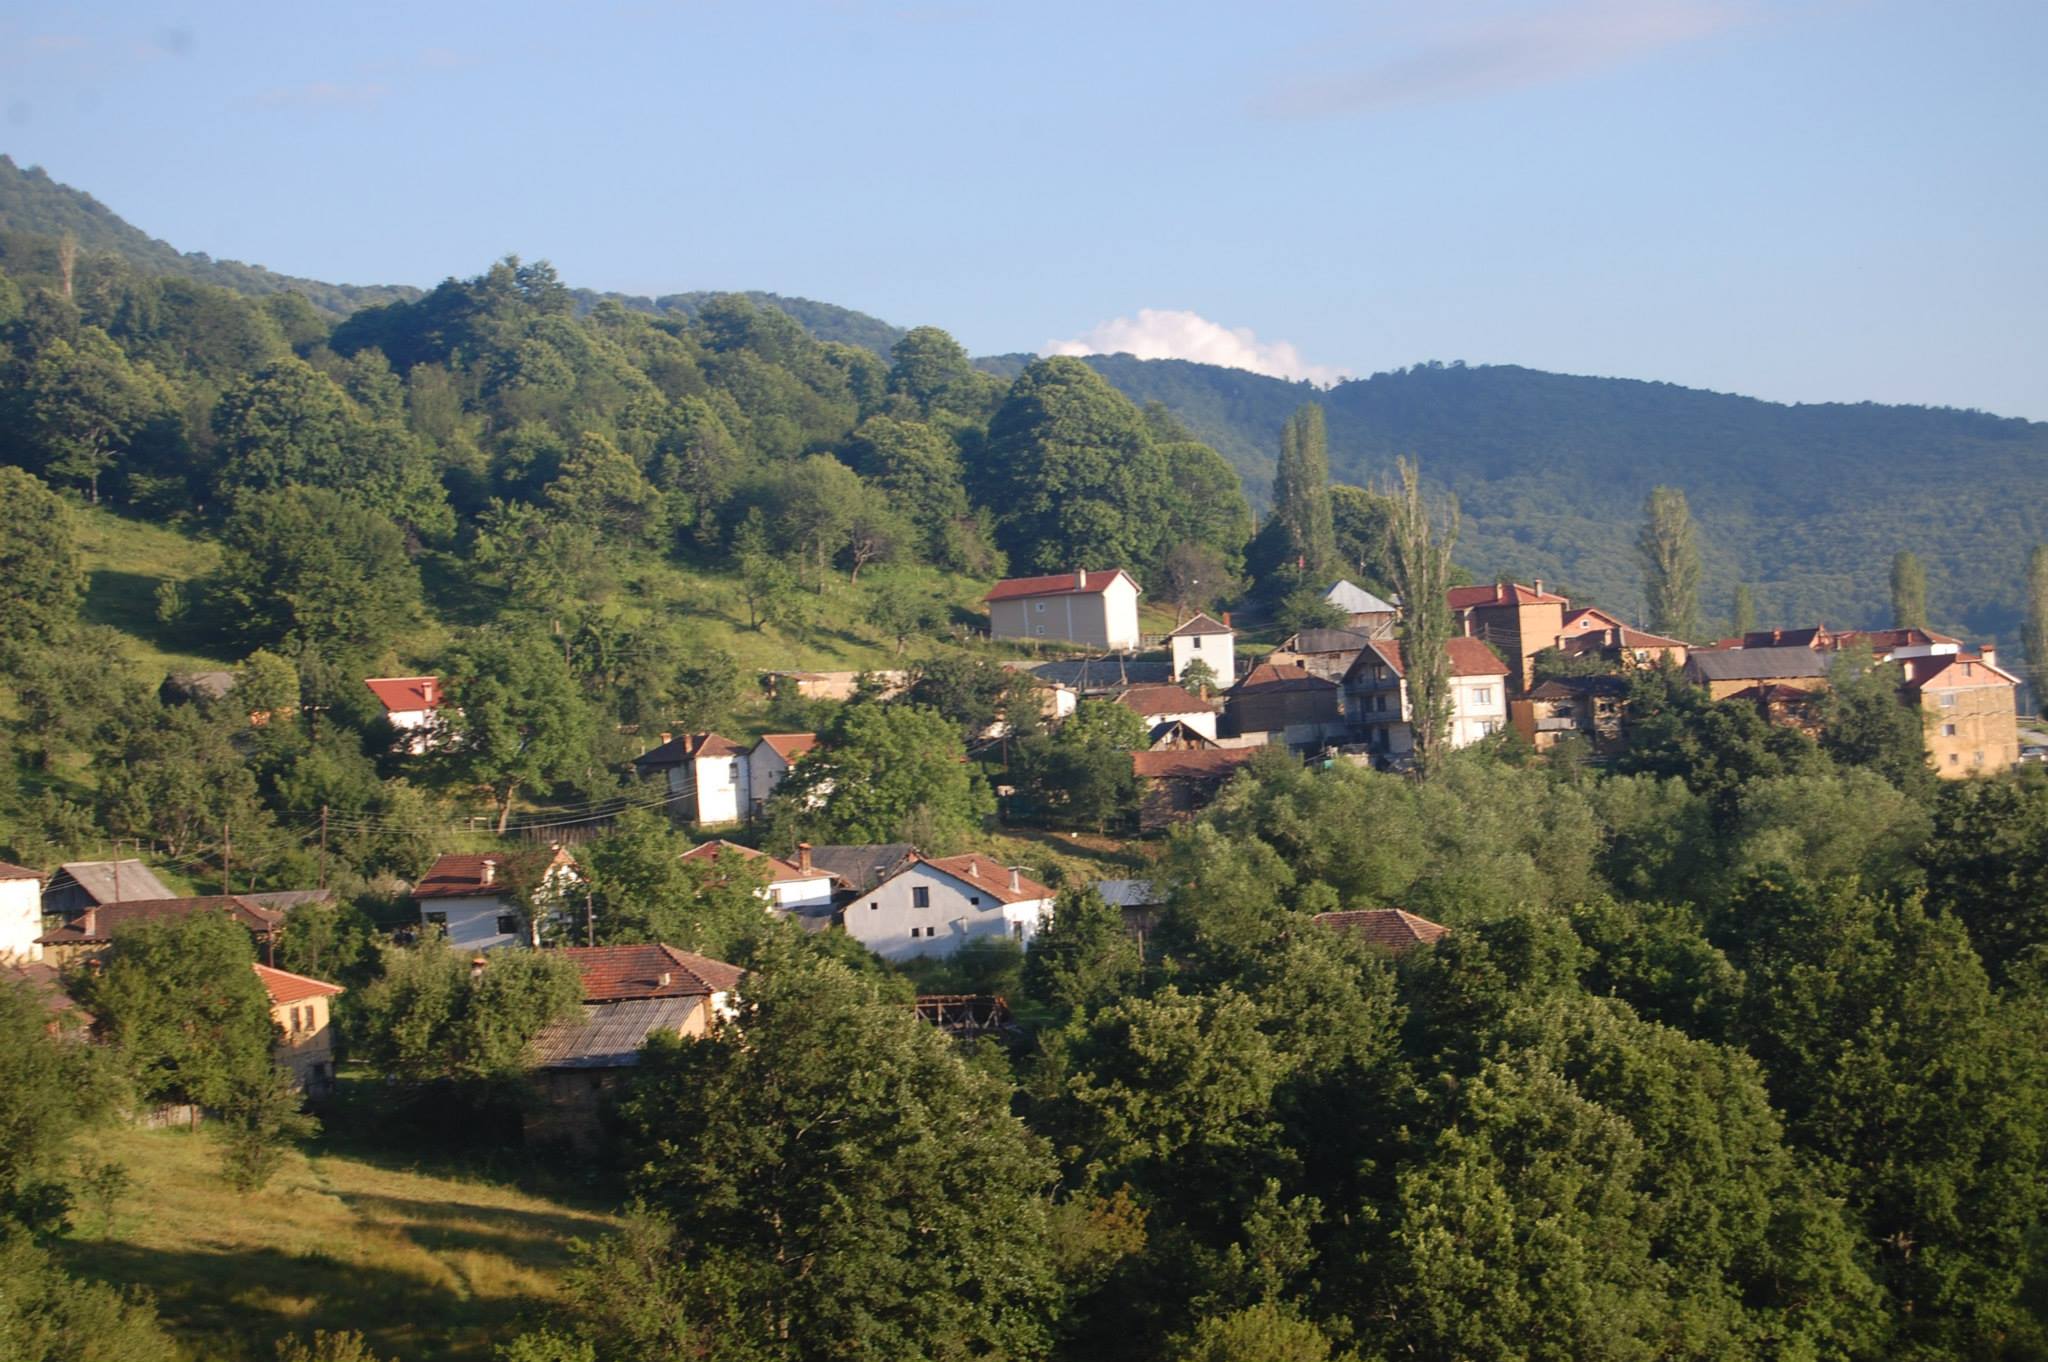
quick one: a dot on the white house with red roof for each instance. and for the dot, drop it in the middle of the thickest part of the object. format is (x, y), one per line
(482, 902)
(793, 886)
(1098, 609)
(299, 1007)
(1376, 696)
(411, 704)
(934, 906)
(21, 914)
(706, 775)
(768, 763)
(1162, 706)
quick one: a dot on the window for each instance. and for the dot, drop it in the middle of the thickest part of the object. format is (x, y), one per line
(437, 919)
(1954, 760)
(1483, 696)
(1196, 642)
(1948, 701)
(920, 897)
(508, 924)
(732, 772)
(974, 900)
(1040, 606)
(1948, 730)
(1017, 930)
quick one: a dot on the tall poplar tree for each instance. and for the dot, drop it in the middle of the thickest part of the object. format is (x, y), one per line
(1909, 591)
(1745, 608)
(1301, 492)
(2034, 633)
(1669, 545)
(1422, 540)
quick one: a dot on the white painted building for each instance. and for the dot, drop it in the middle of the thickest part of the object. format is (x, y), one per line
(411, 705)
(1159, 706)
(934, 907)
(1099, 609)
(475, 900)
(1202, 639)
(21, 914)
(1376, 695)
(706, 776)
(768, 763)
(793, 886)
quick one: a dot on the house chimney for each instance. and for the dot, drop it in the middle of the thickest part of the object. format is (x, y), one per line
(490, 872)
(668, 737)
(1015, 883)
(974, 868)
(1500, 591)
(667, 978)
(1537, 586)
(1080, 579)
(1989, 652)
(427, 688)
(1226, 619)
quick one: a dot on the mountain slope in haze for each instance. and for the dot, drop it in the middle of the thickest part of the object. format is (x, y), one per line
(1806, 503)
(32, 205)
(825, 321)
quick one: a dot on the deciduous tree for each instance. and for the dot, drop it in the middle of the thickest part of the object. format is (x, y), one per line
(1669, 548)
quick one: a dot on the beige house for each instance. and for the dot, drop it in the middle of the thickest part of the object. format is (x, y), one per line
(1097, 609)
(1728, 671)
(305, 1027)
(1517, 621)
(1968, 705)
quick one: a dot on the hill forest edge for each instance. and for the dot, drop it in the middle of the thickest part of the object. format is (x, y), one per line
(1732, 1045)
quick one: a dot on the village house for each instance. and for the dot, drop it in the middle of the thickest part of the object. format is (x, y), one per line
(411, 705)
(934, 906)
(88, 934)
(1967, 705)
(1377, 702)
(859, 867)
(1289, 700)
(79, 885)
(63, 1018)
(1327, 653)
(794, 888)
(1593, 632)
(1174, 785)
(842, 685)
(305, 1041)
(483, 902)
(1096, 609)
(1389, 929)
(1517, 621)
(1364, 612)
(1726, 671)
(1204, 640)
(630, 995)
(768, 763)
(706, 775)
(1589, 707)
(21, 914)
(1163, 706)
(1785, 706)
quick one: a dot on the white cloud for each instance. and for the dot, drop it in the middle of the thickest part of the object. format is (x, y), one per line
(1157, 333)
(1487, 54)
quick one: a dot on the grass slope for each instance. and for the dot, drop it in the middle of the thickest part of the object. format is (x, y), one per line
(125, 562)
(430, 1269)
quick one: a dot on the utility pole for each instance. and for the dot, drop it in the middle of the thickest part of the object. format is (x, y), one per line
(323, 846)
(227, 858)
(589, 917)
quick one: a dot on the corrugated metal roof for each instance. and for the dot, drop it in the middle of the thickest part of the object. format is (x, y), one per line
(609, 1035)
(1356, 600)
(1757, 664)
(115, 881)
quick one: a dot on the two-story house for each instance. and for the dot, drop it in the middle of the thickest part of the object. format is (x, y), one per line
(1098, 609)
(1377, 703)
(1288, 700)
(299, 1007)
(21, 914)
(1203, 640)
(1968, 705)
(706, 776)
(934, 906)
(483, 902)
(768, 763)
(1595, 632)
(411, 705)
(1517, 621)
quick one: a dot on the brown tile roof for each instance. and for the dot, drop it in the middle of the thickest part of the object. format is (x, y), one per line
(1146, 701)
(100, 924)
(989, 875)
(1642, 638)
(1955, 671)
(285, 987)
(1889, 640)
(688, 747)
(46, 985)
(1815, 637)
(1391, 928)
(614, 973)
(1467, 656)
(778, 869)
(461, 874)
(1207, 763)
(1500, 593)
(1592, 617)
(10, 871)
(1203, 625)
(1270, 678)
(1055, 584)
(790, 746)
(397, 693)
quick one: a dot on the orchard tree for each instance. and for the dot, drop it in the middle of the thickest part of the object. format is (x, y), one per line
(516, 718)
(179, 1000)
(883, 773)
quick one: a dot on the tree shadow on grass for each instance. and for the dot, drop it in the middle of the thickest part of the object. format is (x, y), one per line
(127, 601)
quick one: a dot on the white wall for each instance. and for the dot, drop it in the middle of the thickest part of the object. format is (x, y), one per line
(472, 921)
(794, 894)
(883, 919)
(21, 919)
(719, 783)
(1120, 613)
(765, 770)
(1218, 650)
(1203, 721)
(1479, 707)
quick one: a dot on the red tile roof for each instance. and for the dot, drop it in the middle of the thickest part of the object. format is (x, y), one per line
(1467, 656)
(1391, 928)
(790, 746)
(1592, 617)
(1206, 763)
(778, 869)
(1055, 584)
(397, 693)
(9, 871)
(1889, 640)
(1270, 678)
(613, 974)
(989, 875)
(461, 874)
(688, 747)
(285, 987)
(1955, 671)
(1146, 701)
(100, 923)
(1500, 593)
(1202, 625)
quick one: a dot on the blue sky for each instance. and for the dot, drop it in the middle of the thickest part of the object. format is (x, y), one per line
(1800, 199)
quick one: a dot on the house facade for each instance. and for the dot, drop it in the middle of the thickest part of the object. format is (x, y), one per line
(1594, 632)
(706, 775)
(1968, 706)
(1588, 707)
(1289, 700)
(1517, 621)
(1096, 609)
(477, 901)
(411, 704)
(88, 934)
(21, 914)
(936, 906)
(1175, 784)
(793, 886)
(1163, 706)
(768, 763)
(1727, 671)
(300, 1009)
(1377, 703)
(1204, 640)
(1364, 612)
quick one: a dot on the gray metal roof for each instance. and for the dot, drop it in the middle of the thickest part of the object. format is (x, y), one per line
(609, 1035)
(1326, 641)
(1756, 664)
(283, 899)
(1100, 675)
(1356, 600)
(861, 868)
(1129, 893)
(113, 881)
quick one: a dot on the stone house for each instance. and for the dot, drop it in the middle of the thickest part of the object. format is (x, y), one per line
(1968, 705)
(1727, 671)
(1174, 785)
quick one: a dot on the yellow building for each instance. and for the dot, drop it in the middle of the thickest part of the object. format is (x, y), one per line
(1970, 709)
(305, 1042)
